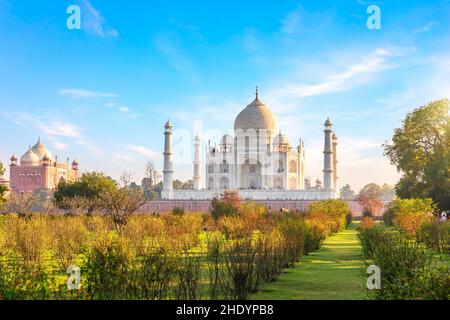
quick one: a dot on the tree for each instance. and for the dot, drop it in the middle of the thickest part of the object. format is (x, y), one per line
(89, 186)
(347, 193)
(75, 206)
(180, 185)
(387, 192)
(120, 204)
(227, 205)
(152, 174)
(369, 197)
(126, 177)
(22, 204)
(3, 188)
(421, 151)
(150, 183)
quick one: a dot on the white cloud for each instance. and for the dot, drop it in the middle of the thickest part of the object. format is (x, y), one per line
(59, 145)
(426, 28)
(59, 128)
(124, 157)
(54, 129)
(290, 24)
(83, 93)
(93, 22)
(124, 109)
(144, 151)
(354, 75)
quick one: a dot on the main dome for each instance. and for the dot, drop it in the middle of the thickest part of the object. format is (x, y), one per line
(29, 158)
(256, 116)
(41, 150)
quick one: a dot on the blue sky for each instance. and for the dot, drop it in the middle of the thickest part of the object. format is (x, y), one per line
(102, 93)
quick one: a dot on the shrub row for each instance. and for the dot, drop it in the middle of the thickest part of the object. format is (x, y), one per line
(154, 257)
(417, 219)
(407, 268)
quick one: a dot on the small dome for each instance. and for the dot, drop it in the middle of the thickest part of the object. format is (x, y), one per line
(13, 158)
(29, 159)
(226, 140)
(41, 150)
(281, 139)
(328, 121)
(75, 161)
(256, 116)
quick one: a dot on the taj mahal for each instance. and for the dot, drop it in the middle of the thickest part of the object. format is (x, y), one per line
(258, 161)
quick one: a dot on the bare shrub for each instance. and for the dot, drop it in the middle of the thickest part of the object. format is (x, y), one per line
(293, 231)
(153, 275)
(189, 277)
(270, 258)
(48, 207)
(142, 230)
(74, 206)
(97, 224)
(69, 236)
(214, 245)
(239, 269)
(234, 227)
(120, 204)
(21, 203)
(28, 239)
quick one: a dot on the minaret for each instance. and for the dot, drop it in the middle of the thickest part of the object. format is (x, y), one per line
(167, 192)
(197, 163)
(328, 157)
(301, 164)
(335, 162)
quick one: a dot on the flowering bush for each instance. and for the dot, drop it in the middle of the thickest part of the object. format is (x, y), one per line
(408, 215)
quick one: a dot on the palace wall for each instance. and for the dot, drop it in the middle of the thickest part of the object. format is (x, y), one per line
(273, 194)
(164, 206)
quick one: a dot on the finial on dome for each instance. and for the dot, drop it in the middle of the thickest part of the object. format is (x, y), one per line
(256, 94)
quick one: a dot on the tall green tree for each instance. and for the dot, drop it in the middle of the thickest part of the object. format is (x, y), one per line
(421, 151)
(89, 186)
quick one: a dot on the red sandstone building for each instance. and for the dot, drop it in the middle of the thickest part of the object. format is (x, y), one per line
(39, 170)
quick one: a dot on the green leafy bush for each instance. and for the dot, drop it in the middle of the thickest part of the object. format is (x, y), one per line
(407, 268)
(177, 211)
(20, 280)
(106, 270)
(435, 235)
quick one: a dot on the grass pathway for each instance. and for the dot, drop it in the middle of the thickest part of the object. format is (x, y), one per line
(336, 271)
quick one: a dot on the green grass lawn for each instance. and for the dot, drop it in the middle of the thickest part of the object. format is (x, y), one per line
(336, 271)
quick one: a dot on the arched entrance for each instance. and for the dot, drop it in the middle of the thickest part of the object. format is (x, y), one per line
(251, 175)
